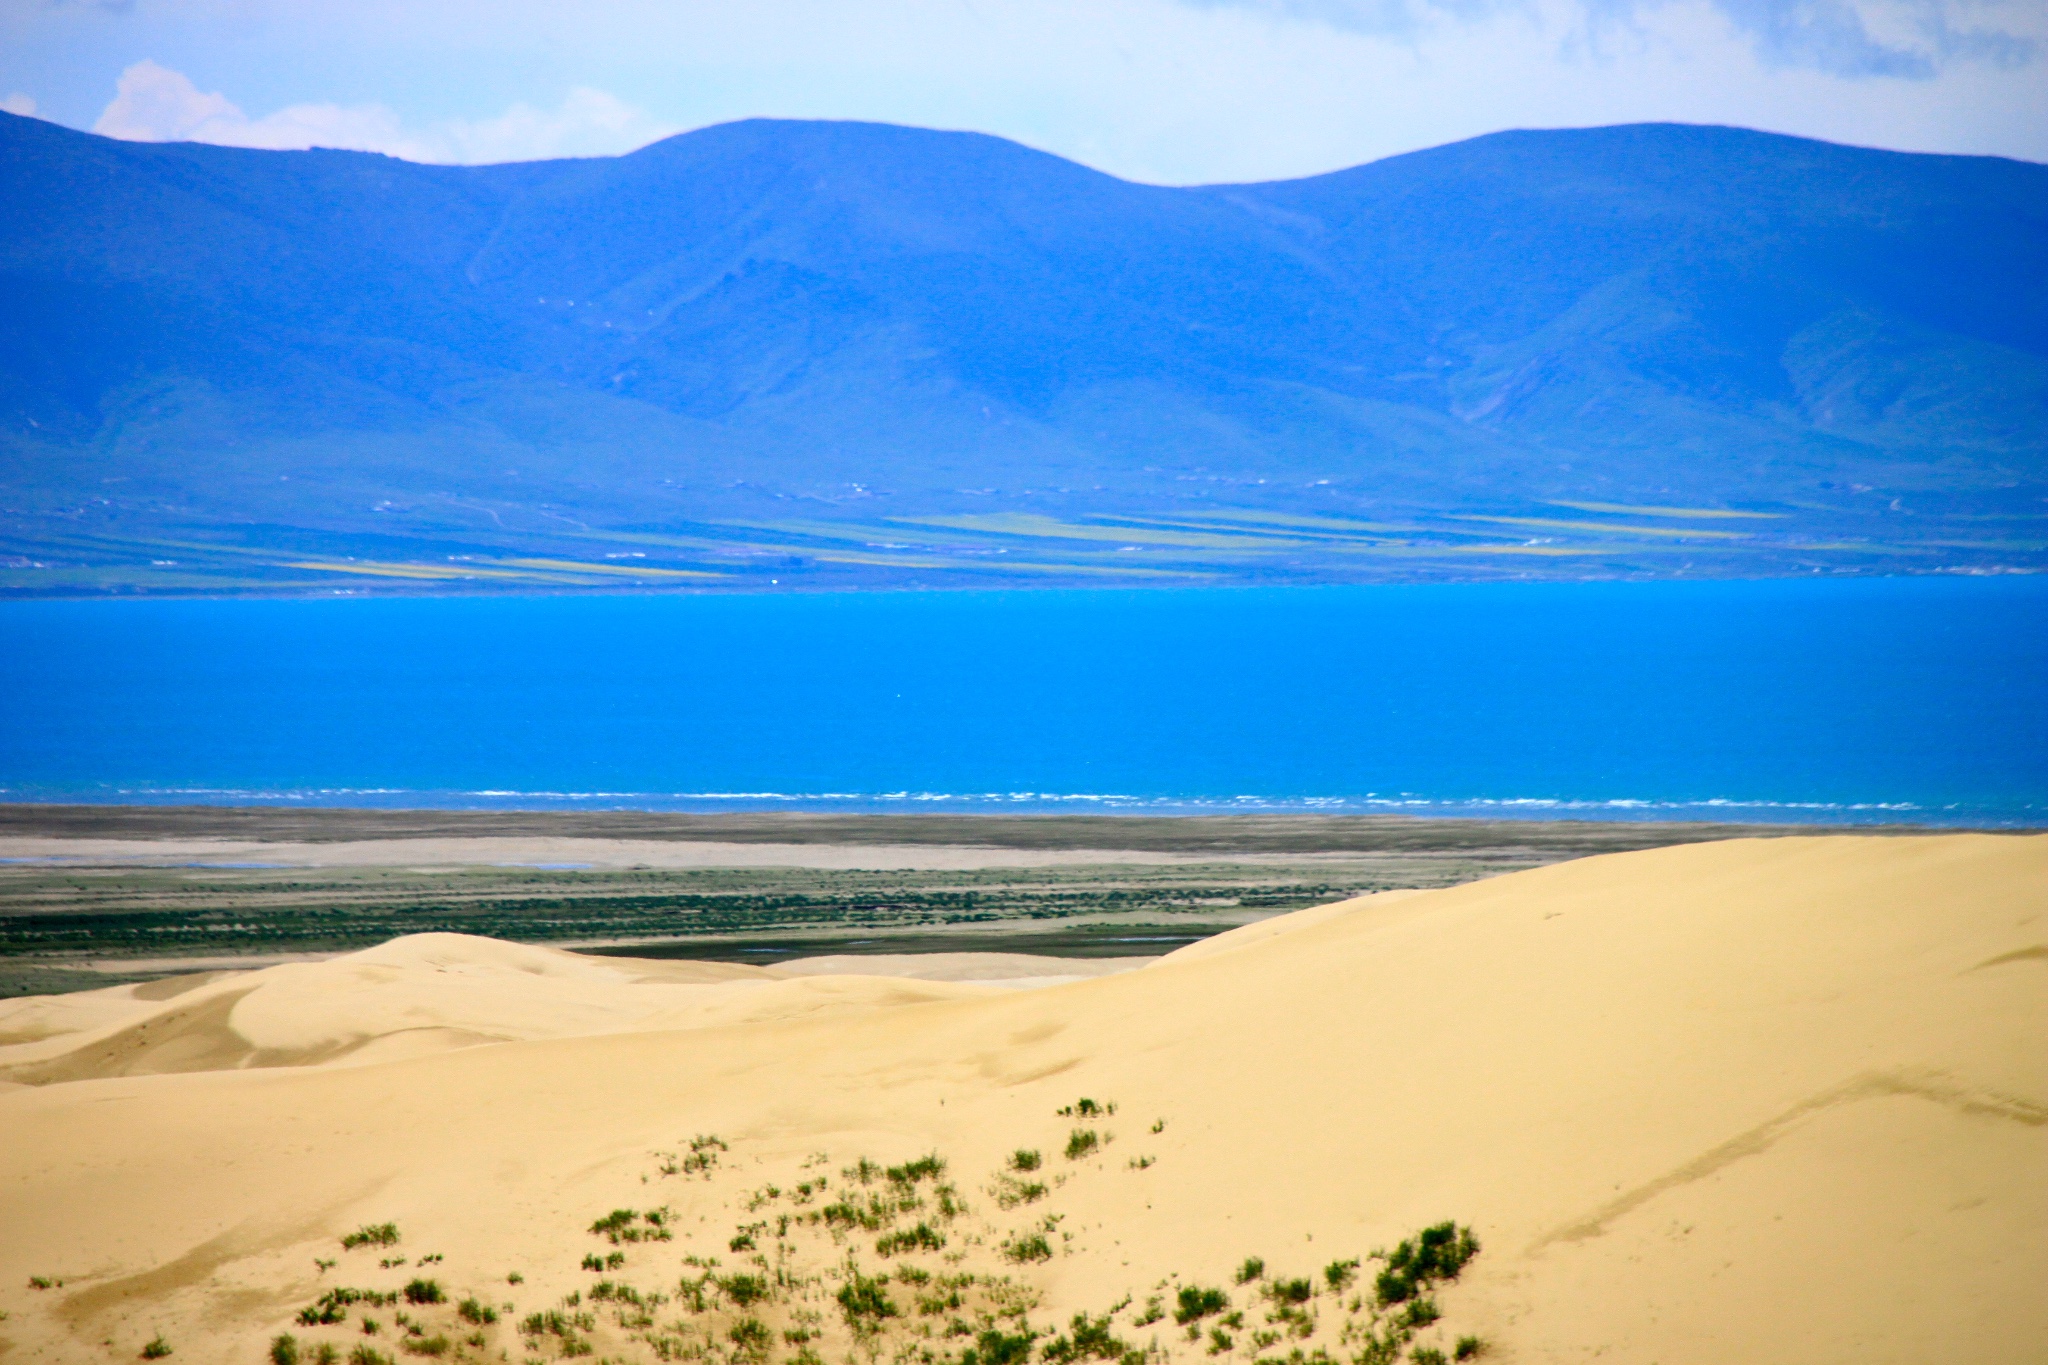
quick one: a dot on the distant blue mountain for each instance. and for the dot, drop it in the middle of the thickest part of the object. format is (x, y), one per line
(734, 341)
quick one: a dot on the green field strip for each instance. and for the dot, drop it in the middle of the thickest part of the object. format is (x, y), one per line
(1606, 528)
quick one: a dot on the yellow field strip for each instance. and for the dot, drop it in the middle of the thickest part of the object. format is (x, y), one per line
(1046, 528)
(1623, 509)
(619, 570)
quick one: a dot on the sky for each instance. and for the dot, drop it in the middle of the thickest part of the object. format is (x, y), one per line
(1164, 91)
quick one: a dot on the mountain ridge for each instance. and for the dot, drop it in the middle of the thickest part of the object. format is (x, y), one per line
(276, 355)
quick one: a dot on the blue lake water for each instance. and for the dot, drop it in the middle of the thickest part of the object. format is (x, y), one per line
(1916, 699)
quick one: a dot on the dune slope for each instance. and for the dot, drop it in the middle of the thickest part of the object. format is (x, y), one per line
(1758, 1100)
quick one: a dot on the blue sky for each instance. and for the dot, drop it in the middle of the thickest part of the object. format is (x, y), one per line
(1170, 91)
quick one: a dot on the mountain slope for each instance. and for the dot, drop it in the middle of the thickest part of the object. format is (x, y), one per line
(790, 345)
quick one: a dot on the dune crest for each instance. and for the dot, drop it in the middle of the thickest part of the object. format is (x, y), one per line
(1778, 1100)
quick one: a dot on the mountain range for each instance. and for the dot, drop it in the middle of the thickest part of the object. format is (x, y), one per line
(817, 353)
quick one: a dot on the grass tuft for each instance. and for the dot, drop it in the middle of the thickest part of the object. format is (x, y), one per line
(371, 1235)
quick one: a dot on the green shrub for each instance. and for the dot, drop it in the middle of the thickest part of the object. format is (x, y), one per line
(1426, 1355)
(1196, 1303)
(436, 1345)
(1468, 1348)
(477, 1311)
(284, 1349)
(1339, 1274)
(751, 1336)
(1021, 1248)
(862, 1298)
(1252, 1269)
(371, 1235)
(925, 1167)
(424, 1291)
(44, 1282)
(1090, 1339)
(614, 1225)
(997, 1347)
(1081, 1142)
(1024, 1159)
(333, 1306)
(1436, 1253)
(157, 1348)
(1290, 1291)
(1420, 1313)
(364, 1355)
(744, 1289)
(919, 1238)
(1220, 1341)
(325, 1354)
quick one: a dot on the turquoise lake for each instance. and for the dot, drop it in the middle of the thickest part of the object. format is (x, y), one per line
(1867, 700)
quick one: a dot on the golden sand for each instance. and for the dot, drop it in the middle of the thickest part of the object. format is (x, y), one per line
(1755, 1101)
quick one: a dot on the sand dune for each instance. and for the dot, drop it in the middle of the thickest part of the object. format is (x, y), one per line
(1758, 1100)
(432, 992)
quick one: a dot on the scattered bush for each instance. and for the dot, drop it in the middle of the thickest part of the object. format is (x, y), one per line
(1081, 1142)
(284, 1349)
(1468, 1348)
(157, 1348)
(1022, 1248)
(1024, 1159)
(1290, 1291)
(1427, 1355)
(1419, 1313)
(1436, 1253)
(1220, 1341)
(424, 1291)
(919, 1238)
(325, 1354)
(371, 1235)
(704, 1150)
(744, 1289)
(1252, 1269)
(333, 1306)
(1196, 1303)
(925, 1167)
(44, 1282)
(476, 1311)
(863, 1299)
(1090, 1339)
(1339, 1274)
(997, 1347)
(751, 1336)
(364, 1355)
(436, 1345)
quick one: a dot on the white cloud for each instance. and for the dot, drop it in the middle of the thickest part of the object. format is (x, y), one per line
(153, 103)
(18, 103)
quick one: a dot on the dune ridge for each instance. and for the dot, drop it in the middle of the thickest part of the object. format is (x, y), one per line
(1758, 1100)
